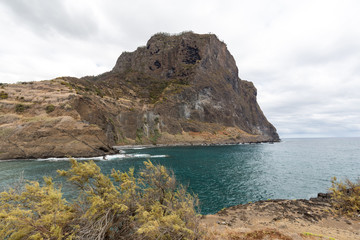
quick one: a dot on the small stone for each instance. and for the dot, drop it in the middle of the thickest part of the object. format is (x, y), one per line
(348, 222)
(221, 223)
(283, 226)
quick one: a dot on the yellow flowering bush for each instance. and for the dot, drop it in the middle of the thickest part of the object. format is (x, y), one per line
(119, 206)
(346, 197)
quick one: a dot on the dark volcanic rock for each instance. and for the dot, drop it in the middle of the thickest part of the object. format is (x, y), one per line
(199, 79)
(179, 89)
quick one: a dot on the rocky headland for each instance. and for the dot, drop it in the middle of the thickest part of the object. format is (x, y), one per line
(282, 219)
(178, 89)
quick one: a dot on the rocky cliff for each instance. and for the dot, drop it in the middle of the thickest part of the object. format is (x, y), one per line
(178, 89)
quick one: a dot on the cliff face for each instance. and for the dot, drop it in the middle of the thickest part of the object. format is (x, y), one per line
(194, 81)
(181, 89)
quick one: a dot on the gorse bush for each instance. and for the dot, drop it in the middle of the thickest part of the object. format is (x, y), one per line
(346, 197)
(49, 108)
(3, 95)
(36, 213)
(19, 108)
(119, 206)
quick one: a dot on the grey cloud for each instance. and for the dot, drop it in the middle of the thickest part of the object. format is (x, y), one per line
(307, 78)
(307, 125)
(47, 17)
(337, 53)
(306, 111)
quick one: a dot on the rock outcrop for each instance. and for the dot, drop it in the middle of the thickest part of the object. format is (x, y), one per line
(293, 219)
(178, 89)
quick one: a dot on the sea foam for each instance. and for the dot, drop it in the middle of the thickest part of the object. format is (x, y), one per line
(106, 157)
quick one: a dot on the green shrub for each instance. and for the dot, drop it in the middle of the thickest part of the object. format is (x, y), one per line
(346, 197)
(155, 136)
(3, 95)
(49, 108)
(99, 92)
(139, 136)
(19, 108)
(119, 206)
(312, 235)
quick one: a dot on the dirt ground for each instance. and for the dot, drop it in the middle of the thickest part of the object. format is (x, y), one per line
(282, 219)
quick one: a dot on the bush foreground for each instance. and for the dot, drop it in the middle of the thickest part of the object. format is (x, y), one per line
(119, 206)
(346, 197)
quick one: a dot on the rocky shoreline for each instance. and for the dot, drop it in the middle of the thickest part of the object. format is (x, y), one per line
(117, 149)
(296, 219)
(123, 147)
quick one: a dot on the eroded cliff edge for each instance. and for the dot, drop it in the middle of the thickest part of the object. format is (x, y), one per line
(178, 89)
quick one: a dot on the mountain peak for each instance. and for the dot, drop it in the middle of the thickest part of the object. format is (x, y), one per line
(178, 89)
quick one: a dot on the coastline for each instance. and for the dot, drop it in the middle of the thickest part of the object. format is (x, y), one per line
(122, 147)
(118, 148)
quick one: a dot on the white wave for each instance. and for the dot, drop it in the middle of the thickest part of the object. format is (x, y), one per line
(140, 155)
(90, 158)
(132, 155)
(51, 159)
(115, 156)
(105, 158)
(159, 156)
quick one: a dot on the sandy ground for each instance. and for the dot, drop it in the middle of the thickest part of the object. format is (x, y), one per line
(294, 219)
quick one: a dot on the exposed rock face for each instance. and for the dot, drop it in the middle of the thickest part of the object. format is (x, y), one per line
(200, 85)
(181, 89)
(29, 128)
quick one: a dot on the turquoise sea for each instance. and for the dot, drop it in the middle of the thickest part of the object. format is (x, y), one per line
(223, 176)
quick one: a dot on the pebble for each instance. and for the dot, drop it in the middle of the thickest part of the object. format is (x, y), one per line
(282, 226)
(348, 222)
(221, 223)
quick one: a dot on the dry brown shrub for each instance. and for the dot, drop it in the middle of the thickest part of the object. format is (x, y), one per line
(212, 233)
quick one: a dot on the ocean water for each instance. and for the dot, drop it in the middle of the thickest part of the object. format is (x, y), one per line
(224, 176)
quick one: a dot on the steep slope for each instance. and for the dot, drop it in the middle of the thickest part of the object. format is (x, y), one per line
(178, 89)
(38, 120)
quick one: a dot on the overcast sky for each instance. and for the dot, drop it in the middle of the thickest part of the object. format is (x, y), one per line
(303, 56)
